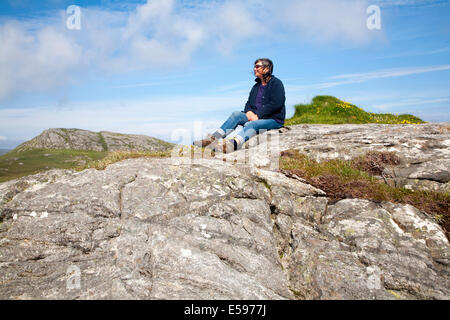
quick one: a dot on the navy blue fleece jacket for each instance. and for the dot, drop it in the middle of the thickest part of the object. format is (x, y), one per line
(273, 100)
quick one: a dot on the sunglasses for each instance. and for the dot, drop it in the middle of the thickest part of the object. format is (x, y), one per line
(257, 66)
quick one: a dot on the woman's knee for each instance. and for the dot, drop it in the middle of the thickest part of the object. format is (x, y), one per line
(250, 125)
(236, 114)
(250, 128)
(239, 117)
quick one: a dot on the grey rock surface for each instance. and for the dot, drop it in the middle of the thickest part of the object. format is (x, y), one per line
(162, 229)
(424, 149)
(79, 139)
(141, 229)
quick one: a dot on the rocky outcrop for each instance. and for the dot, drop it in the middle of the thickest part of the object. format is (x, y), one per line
(167, 229)
(424, 149)
(78, 139)
(234, 229)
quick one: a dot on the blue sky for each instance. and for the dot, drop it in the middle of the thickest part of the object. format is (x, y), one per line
(168, 68)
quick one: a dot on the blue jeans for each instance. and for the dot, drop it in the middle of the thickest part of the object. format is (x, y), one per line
(249, 129)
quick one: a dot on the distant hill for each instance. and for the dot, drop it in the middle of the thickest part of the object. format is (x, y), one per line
(72, 148)
(3, 151)
(331, 110)
(78, 139)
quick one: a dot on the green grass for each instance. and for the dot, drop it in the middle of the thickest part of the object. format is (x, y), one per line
(18, 164)
(113, 157)
(330, 110)
(102, 141)
(15, 164)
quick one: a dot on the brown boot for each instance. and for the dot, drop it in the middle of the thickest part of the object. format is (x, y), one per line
(205, 142)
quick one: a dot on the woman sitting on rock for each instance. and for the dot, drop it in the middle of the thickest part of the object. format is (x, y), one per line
(264, 110)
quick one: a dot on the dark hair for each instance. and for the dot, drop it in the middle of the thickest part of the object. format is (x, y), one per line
(266, 63)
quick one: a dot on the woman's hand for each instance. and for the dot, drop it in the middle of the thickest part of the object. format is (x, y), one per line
(251, 116)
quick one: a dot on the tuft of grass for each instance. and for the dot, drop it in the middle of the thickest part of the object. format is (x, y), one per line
(331, 110)
(65, 136)
(292, 160)
(375, 162)
(342, 179)
(116, 156)
(102, 141)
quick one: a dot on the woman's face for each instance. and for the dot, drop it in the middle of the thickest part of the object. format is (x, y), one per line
(259, 69)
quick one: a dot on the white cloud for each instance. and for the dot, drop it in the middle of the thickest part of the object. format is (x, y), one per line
(158, 117)
(159, 34)
(231, 23)
(2, 138)
(40, 61)
(326, 20)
